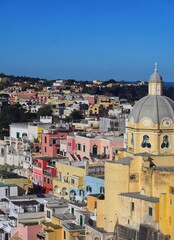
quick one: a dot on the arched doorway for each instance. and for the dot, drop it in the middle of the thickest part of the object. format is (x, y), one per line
(95, 150)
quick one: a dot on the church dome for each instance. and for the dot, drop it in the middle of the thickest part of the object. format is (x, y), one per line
(155, 107)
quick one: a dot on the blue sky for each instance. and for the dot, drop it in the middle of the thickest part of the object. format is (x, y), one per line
(87, 39)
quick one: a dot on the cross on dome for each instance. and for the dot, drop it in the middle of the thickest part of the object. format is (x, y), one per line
(156, 66)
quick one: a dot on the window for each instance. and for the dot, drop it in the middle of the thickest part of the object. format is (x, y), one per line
(102, 189)
(171, 189)
(64, 191)
(89, 189)
(45, 149)
(45, 179)
(54, 141)
(84, 148)
(48, 180)
(58, 151)
(72, 210)
(150, 211)
(72, 181)
(39, 178)
(81, 193)
(132, 206)
(170, 201)
(69, 144)
(48, 214)
(95, 204)
(2, 151)
(81, 220)
(45, 139)
(6, 192)
(39, 165)
(64, 235)
(36, 177)
(79, 146)
(146, 142)
(17, 135)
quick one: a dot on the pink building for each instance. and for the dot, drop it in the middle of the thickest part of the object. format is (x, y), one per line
(51, 142)
(26, 232)
(44, 170)
(70, 142)
(90, 98)
(94, 148)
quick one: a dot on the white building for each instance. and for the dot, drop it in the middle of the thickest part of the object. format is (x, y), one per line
(8, 190)
(18, 130)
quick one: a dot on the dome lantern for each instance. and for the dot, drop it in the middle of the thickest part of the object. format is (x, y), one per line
(155, 85)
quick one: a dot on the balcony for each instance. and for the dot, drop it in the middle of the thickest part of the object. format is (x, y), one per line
(47, 173)
(90, 222)
(51, 164)
(72, 227)
(100, 156)
(34, 216)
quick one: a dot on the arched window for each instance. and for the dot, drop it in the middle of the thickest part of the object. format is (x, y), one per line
(146, 142)
(64, 191)
(56, 189)
(142, 191)
(81, 193)
(89, 189)
(72, 193)
(165, 142)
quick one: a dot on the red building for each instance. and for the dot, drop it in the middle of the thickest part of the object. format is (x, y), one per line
(51, 142)
(44, 169)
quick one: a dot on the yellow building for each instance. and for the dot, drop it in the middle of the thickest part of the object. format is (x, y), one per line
(166, 216)
(95, 204)
(98, 108)
(134, 203)
(86, 125)
(61, 227)
(68, 176)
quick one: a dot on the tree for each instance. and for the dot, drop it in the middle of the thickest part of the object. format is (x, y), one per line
(76, 115)
(45, 110)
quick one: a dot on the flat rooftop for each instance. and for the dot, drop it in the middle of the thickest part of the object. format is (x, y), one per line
(25, 203)
(123, 161)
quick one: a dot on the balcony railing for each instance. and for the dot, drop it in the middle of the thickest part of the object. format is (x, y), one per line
(47, 173)
(90, 222)
(100, 156)
(72, 226)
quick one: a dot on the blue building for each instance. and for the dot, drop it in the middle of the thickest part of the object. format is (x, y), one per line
(92, 185)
